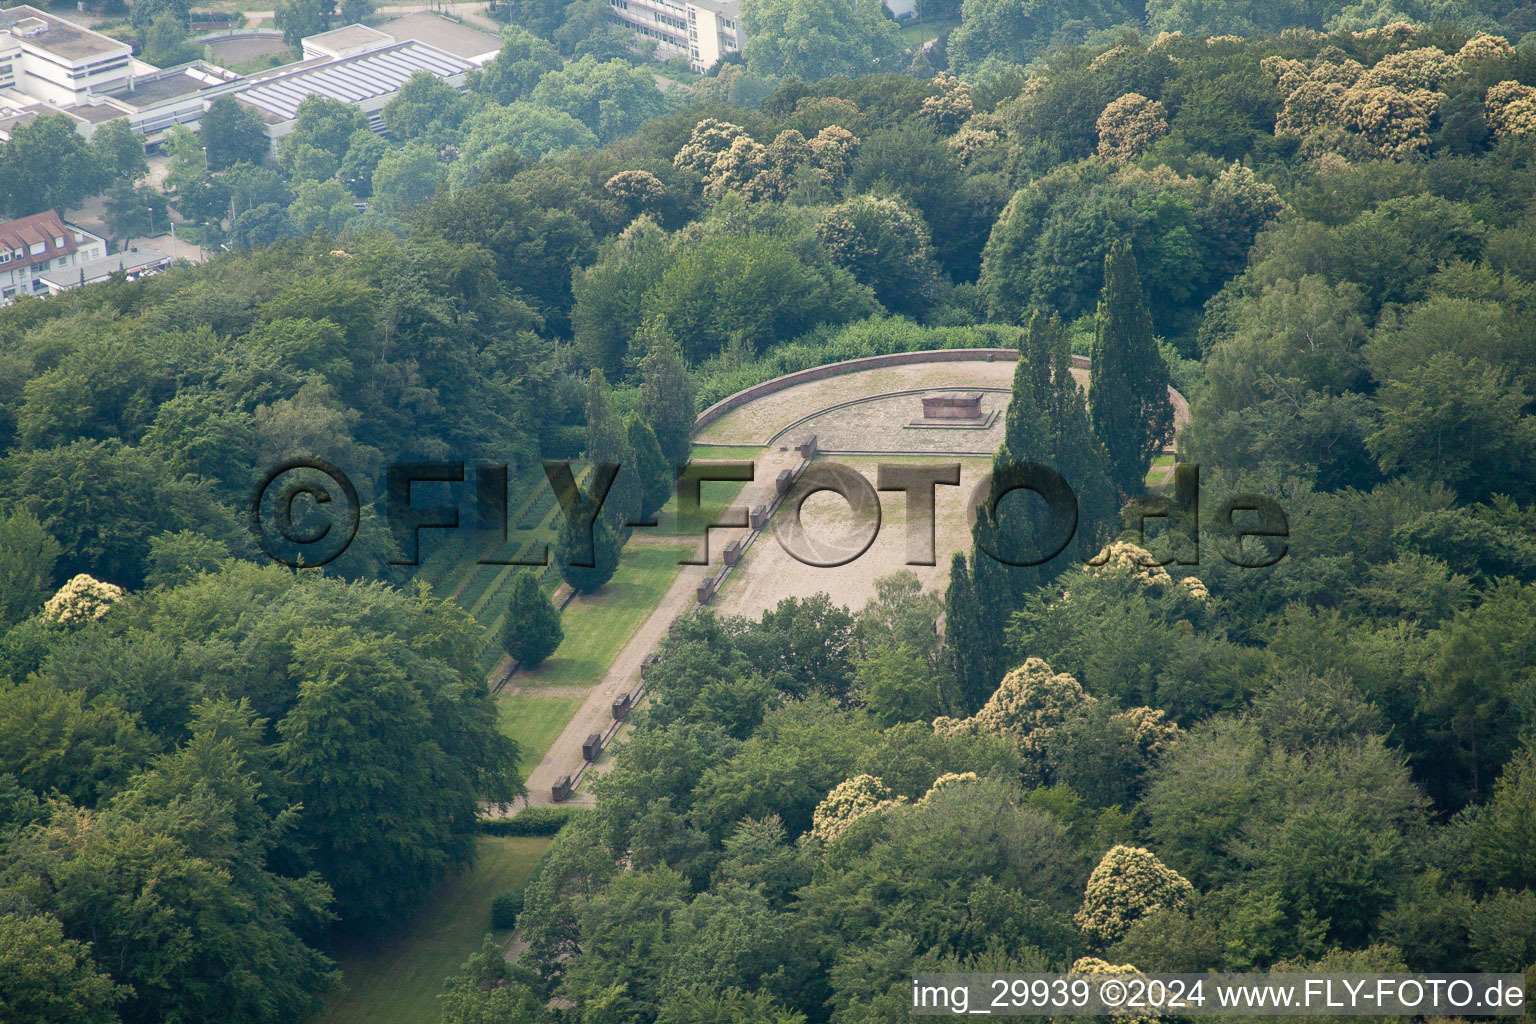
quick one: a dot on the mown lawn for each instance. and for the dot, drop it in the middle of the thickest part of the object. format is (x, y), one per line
(397, 979)
(714, 495)
(916, 35)
(1159, 471)
(535, 722)
(598, 625)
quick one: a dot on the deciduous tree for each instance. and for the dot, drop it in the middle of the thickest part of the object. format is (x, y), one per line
(232, 134)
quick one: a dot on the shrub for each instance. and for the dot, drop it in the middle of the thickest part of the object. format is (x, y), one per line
(505, 908)
(533, 821)
(876, 336)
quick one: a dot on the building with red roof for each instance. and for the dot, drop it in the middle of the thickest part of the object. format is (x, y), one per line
(33, 246)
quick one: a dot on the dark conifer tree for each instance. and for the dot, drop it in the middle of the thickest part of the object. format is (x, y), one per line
(587, 568)
(649, 466)
(1076, 452)
(973, 637)
(1129, 380)
(666, 391)
(608, 444)
(532, 629)
(1046, 425)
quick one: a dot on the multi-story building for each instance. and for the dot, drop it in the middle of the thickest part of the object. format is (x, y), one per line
(54, 60)
(705, 30)
(33, 246)
(665, 22)
(714, 30)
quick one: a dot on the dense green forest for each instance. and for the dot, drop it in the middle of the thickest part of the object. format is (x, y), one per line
(1317, 225)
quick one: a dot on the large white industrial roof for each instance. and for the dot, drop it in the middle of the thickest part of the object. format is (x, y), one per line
(354, 79)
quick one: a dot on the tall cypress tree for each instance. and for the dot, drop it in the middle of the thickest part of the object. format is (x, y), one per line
(1046, 424)
(1076, 451)
(973, 637)
(602, 555)
(1005, 526)
(608, 443)
(666, 390)
(656, 478)
(1010, 529)
(1129, 380)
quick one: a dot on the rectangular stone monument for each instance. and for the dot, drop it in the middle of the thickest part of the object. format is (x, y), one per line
(954, 405)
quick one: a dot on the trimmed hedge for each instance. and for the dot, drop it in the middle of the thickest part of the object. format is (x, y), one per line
(533, 821)
(505, 908)
(717, 378)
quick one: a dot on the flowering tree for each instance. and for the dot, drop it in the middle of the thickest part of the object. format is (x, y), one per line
(1124, 559)
(1149, 730)
(1511, 109)
(1335, 104)
(730, 160)
(782, 161)
(1425, 68)
(1129, 125)
(1482, 47)
(1128, 884)
(848, 802)
(709, 139)
(951, 108)
(969, 142)
(82, 599)
(735, 169)
(832, 152)
(1395, 123)
(949, 780)
(1095, 965)
(1029, 706)
(638, 189)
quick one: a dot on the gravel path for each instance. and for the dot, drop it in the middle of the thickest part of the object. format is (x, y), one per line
(596, 712)
(768, 573)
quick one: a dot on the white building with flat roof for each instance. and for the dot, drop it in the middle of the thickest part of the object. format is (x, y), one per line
(344, 42)
(46, 57)
(368, 81)
(133, 264)
(51, 66)
(456, 37)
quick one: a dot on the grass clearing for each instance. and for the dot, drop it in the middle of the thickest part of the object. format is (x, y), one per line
(535, 722)
(917, 35)
(714, 495)
(396, 978)
(597, 626)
